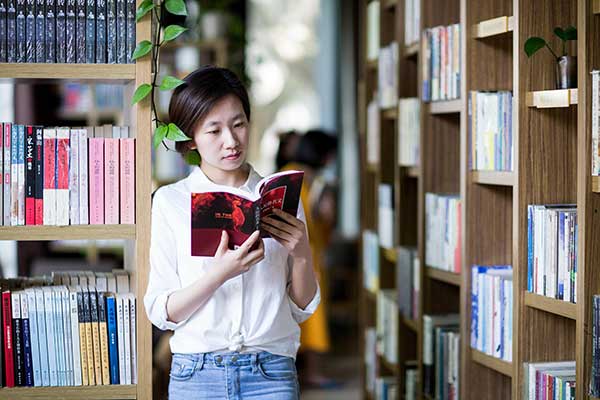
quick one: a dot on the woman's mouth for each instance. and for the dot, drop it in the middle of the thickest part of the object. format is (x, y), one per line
(233, 156)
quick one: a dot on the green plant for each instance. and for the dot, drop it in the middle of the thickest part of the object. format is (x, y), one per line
(535, 43)
(145, 48)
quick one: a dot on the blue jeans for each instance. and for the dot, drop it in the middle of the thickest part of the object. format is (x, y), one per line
(233, 376)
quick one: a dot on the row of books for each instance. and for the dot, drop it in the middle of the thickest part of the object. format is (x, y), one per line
(370, 262)
(387, 74)
(373, 30)
(408, 282)
(549, 381)
(62, 176)
(441, 63)
(492, 310)
(71, 31)
(373, 132)
(83, 333)
(386, 219)
(441, 356)
(490, 131)
(552, 251)
(412, 381)
(79, 97)
(594, 389)
(387, 325)
(596, 122)
(443, 232)
(412, 21)
(386, 388)
(409, 129)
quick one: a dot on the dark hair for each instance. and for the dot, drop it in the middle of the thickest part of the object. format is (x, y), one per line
(286, 151)
(195, 98)
(314, 147)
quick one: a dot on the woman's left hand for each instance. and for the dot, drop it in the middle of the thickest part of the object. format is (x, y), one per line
(290, 232)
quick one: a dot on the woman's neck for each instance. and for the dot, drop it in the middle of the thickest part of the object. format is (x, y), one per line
(235, 178)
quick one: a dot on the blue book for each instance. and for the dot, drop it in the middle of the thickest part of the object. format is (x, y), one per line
(111, 324)
(33, 327)
(50, 31)
(3, 31)
(50, 335)
(40, 31)
(27, 358)
(30, 31)
(42, 343)
(11, 29)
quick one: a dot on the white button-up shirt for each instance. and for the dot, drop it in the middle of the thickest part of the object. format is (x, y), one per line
(251, 312)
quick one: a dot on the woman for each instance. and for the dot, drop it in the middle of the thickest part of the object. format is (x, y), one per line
(235, 316)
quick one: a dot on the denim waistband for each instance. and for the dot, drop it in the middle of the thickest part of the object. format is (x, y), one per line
(223, 359)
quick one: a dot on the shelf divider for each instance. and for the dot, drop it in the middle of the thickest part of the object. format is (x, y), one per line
(553, 306)
(499, 178)
(451, 278)
(69, 232)
(492, 27)
(445, 106)
(73, 72)
(498, 365)
(107, 392)
(551, 98)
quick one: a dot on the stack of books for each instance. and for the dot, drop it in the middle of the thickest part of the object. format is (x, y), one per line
(387, 325)
(441, 63)
(441, 356)
(386, 388)
(443, 232)
(388, 76)
(549, 380)
(409, 129)
(412, 22)
(408, 282)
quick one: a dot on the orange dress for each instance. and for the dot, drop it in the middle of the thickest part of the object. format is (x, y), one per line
(314, 332)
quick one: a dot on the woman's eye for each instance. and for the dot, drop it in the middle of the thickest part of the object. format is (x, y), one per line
(239, 125)
(212, 132)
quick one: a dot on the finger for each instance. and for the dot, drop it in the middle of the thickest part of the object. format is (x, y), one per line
(247, 245)
(284, 226)
(223, 244)
(288, 218)
(254, 257)
(277, 232)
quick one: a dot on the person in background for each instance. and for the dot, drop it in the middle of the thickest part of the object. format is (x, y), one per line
(314, 150)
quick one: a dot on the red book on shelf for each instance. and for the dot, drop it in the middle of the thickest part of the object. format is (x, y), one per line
(9, 365)
(29, 175)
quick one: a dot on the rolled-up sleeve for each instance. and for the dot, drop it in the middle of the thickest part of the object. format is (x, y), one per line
(163, 279)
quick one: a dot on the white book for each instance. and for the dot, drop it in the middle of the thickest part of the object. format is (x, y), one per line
(127, 336)
(2, 124)
(49, 178)
(62, 191)
(68, 335)
(6, 134)
(59, 336)
(75, 342)
(83, 177)
(34, 334)
(120, 337)
(595, 122)
(50, 335)
(133, 332)
(111, 282)
(101, 282)
(42, 342)
(74, 177)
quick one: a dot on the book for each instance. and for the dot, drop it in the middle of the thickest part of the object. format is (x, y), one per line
(7, 129)
(59, 336)
(17, 324)
(21, 176)
(39, 175)
(103, 333)
(61, 31)
(96, 177)
(49, 199)
(111, 174)
(95, 335)
(90, 32)
(67, 338)
(71, 32)
(9, 367)
(50, 335)
(21, 39)
(40, 31)
(50, 37)
(101, 31)
(27, 348)
(75, 337)
(43, 348)
(130, 21)
(113, 351)
(3, 32)
(111, 31)
(133, 331)
(127, 337)
(83, 177)
(82, 338)
(62, 176)
(239, 212)
(30, 176)
(88, 338)
(74, 177)
(120, 337)
(14, 173)
(127, 177)
(121, 32)
(11, 28)
(80, 37)
(30, 31)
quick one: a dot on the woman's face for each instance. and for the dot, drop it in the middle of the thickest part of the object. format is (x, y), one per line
(222, 136)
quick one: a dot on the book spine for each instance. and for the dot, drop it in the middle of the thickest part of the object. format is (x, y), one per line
(81, 34)
(30, 31)
(27, 351)
(75, 345)
(113, 352)
(130, 16)
(21, 39)
(21, 178)
(50, 337)
(90, 32)
(49, 199)
(127, 336)
(71, 32)
(18, 339)
(1, 191)
(96, 336)
(43, 347)
(133, 331)
(68, 337)
(103, 331)
(59, 337)
(74, 177)
(50, 31)
(121, 32)
(40, 31)
(3, 32)
(83, 178)
(62, 176)
(9, 368)
(111, 181)
(121, 336)
(101, 31)
(111, 31)
(82, 338)
(88, 338)
(96, 180)
(30, 176)
(11, 29)
(127, 171)
(39, 175)
(6, 133)
(14, 173)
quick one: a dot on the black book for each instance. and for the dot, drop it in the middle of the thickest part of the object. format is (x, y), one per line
(21, 40)
(71, 32)
(95, 335)
(404, 280)
(87, 319)
(30, 31)
(40, 31)
(121, 32)
(595, 364)
(11, 29)
(29, 175)
(90, 32)
(80, 8)
(19, 360)
(50, 31)
(111, 31)
(27, 357)
(3, 32)
(61, 34)
(101, 31)
(39, 175)
(130, 6)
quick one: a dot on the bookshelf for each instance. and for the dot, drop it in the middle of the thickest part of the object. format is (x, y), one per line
(136, 251)
(551, 164)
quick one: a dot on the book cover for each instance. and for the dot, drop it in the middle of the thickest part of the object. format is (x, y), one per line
(1, 180)
(59, 336)
(96, 177)
(40, 31)
(96, 336)
(49, 195)
(111, 325)
(127, 177)
(14, 172)
(133, 330)
(130, 17)
(74, 177)
(50, 335)
(61, 31)
(82, 338)
(3, 31)
(111, 174)
(81, 24)
(27, 351)
(90, 32)
(74, 329)
(62, 176)
(9, 366)
(21, 177)
(103, 333)
(88, 338)
(101, 31)
(17, 325)
(30, 31)
(30, 175)
(11, 29)
(38, 164)
(43, 346)
(111, 31)
(239, 212)
(120, 336)
(83, 177)
(21, 39)
(7, 134)
(71, 32)
(50, 31)
(127, 337)
(121, 32)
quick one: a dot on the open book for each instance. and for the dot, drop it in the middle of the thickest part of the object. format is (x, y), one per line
(239, 212)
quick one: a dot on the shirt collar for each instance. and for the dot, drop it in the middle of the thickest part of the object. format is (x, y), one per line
(198, 176)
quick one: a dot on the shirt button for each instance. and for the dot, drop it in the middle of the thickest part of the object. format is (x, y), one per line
(234, 358)
(218, 359)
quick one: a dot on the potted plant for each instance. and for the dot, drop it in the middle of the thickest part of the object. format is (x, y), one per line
(566, 65)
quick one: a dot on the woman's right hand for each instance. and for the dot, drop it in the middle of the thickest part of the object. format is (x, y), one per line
(231, 263)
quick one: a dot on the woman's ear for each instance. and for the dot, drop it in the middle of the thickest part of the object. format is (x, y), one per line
(191, 145)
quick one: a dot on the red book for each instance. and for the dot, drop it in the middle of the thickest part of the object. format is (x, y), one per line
(29, 175)
(62, 176)
(239, 212)
(9, 364)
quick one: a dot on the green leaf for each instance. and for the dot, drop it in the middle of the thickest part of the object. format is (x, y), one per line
(172, 31)
(175, 134)
(159, 135)
(143, 9)
(533, 44)
(558, 31)
(142, 49)
(141, 92)
(170, 82)
(192, 157)
(571, 33)
(176, 7)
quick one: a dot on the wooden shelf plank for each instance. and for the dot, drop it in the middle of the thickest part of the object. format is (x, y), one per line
(445, 107)
(372, 168)
(498, 365)
(392, 367)
(72, 72)
(553, 306)
(499, 178)
(390, 113)
(492, 27)
(107, 392)
(413, 172)
(596, 181)
(69, 232)
(451, 278)
(596, 5)
(372, 64)
(412, 324)
(390, 254)
(411, 50)
(389, 4)
(551, 98)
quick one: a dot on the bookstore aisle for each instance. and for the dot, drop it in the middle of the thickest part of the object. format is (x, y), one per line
(480, 149)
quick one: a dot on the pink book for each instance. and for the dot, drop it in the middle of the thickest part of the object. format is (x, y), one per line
(127, 177)
(1, 173)
(74, 177)
(84, 192)
(111, 174)
(62, 176)
(49, 176)
(96, 177)
(5, 212)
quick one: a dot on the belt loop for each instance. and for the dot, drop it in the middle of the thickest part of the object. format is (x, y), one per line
(254, 359)
(201, 361)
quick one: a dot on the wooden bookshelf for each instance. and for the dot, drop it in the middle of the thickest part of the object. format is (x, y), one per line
(390, 113)
(412, 172)
(412, 50)
(493, 27)
(445, 107)
(551, 98)
(596, 184)
(498, 178)
(389, 4)
(391, 367)
(550, 305)
(70, 232)
(596, 5)
(412, 324)
(496, 364)
(390, 255)
(108, 392)
(97, 73)
(450, 278)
